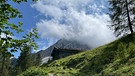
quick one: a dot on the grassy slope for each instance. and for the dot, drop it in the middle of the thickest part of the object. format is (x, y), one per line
(116, 59)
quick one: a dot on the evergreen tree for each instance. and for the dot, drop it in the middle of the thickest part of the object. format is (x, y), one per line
(24, 60)
(5, 65)
(13, 69)
(123, 16)
(37, 60)
(27, 59)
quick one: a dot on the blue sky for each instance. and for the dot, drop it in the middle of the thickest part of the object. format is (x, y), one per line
(81, 20)
(29, 21)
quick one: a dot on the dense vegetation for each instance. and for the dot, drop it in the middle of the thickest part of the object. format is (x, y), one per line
(26, 60)
(116, 59)
(8, 31)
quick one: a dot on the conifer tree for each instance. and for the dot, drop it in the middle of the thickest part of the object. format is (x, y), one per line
(122, 14)
(37, 60)
(24, 58)
(27, 59)
(6, 66)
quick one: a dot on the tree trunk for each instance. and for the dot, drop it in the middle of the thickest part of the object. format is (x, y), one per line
(129, 20)
(3, 64)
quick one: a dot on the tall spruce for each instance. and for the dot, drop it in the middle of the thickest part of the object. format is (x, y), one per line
(122, 14)
(37, 59)
(5, 66)
(25, 60)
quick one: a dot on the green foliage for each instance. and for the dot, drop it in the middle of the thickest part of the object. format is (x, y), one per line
(19, 1)
(6, 66)
(122, 14)
(7, 12)
(37, 61)
(9, 44)
(34, 71)
(26, 60)
(116, 59)
(121, 50)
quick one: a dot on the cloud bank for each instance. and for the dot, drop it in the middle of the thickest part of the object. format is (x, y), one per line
(80, 20)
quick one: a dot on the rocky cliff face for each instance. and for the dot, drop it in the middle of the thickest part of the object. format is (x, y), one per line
(64, 44)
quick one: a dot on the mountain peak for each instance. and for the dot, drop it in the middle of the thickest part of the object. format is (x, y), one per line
(63, 44)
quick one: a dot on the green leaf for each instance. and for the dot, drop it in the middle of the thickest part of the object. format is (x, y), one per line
(20, 23)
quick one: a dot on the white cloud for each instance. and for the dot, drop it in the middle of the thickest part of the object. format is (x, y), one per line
(81, 20)
(51, 29)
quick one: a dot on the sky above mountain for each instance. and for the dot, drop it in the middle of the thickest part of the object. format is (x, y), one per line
(82, 20)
